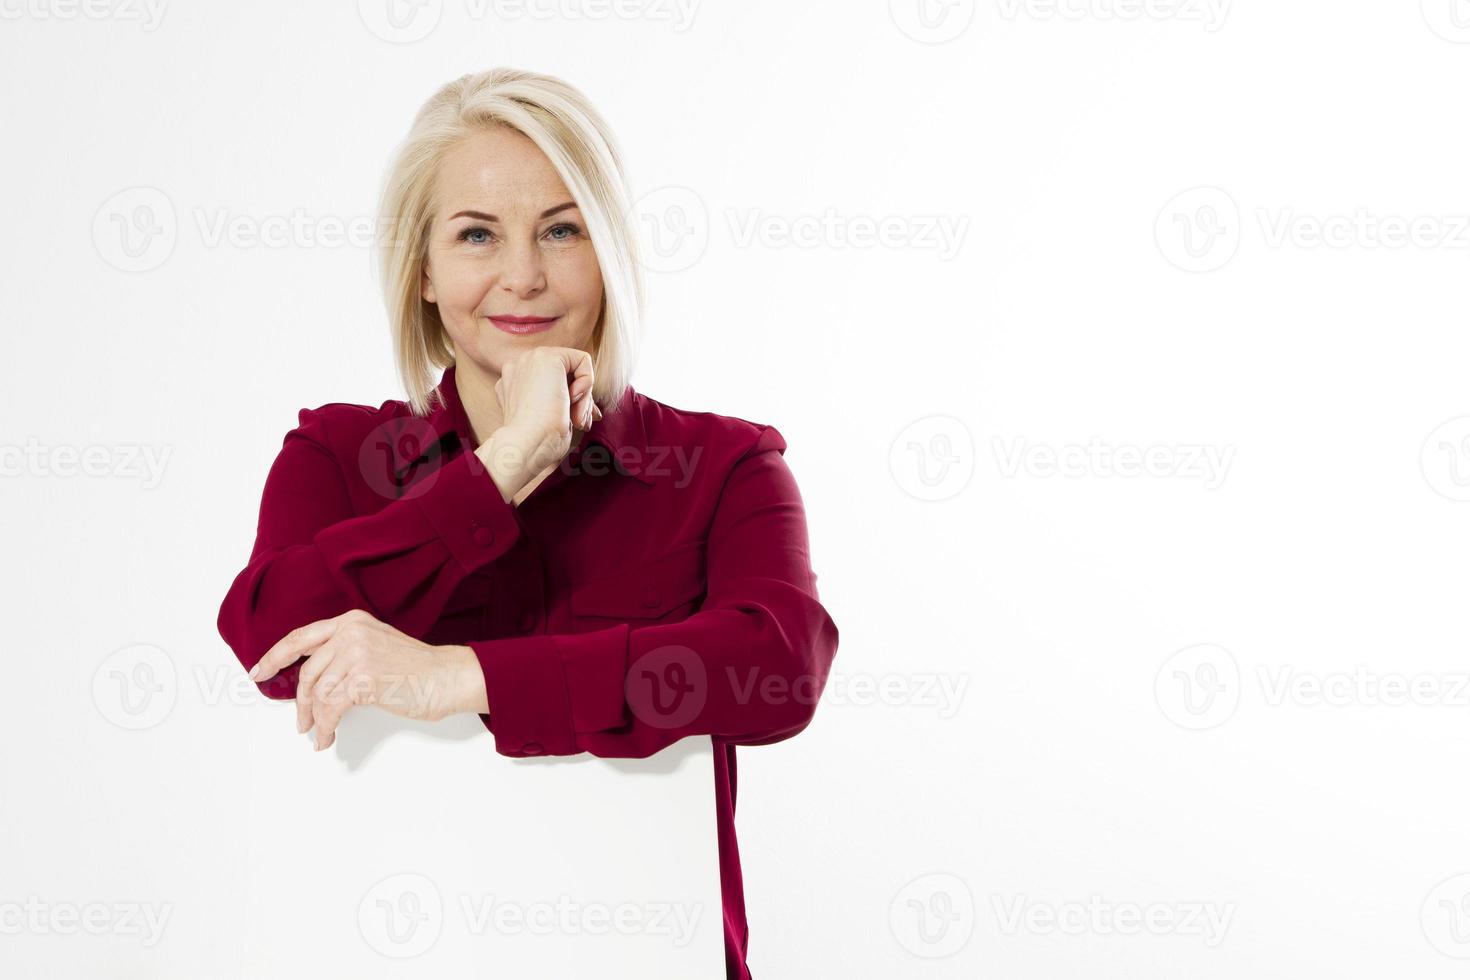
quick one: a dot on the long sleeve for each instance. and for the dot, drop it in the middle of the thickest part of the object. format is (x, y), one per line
(749, 666)
(315, 558)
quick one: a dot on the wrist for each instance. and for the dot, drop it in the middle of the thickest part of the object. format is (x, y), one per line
(466, 681)
(508, 455)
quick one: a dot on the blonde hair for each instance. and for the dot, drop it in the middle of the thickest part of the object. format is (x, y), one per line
(563, 124)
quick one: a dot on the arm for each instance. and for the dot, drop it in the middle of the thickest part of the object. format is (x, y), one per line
(314, 559)
(748, 667)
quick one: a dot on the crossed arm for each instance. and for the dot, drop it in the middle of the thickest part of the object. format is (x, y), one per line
(330, 604)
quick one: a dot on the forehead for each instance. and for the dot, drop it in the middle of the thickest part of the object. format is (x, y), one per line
(500, 171)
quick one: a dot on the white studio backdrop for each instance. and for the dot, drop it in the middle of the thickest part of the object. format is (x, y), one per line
(1120, 349)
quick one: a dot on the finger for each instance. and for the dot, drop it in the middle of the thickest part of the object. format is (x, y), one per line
(578, 365)
(329, 704)
(292, 647)
(318, 661)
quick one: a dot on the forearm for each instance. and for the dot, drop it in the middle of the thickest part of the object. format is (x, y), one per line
(514, 457)
(467, 681)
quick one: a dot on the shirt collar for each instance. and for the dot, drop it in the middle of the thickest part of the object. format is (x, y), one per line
(620, 429)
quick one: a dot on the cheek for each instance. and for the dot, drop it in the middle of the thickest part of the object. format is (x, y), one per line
(579, 279)
(461, 284)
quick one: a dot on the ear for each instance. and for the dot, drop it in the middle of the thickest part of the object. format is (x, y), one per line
(426, 286)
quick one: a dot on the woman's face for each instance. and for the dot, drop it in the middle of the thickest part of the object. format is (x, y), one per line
(507, 240)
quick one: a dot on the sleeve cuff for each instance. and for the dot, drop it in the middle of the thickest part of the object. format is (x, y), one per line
(468, 513)
(543, 690)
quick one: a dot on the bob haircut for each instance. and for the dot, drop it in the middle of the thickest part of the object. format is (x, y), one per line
(563, 124)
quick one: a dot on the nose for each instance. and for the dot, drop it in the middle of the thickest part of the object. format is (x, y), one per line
(523, 273)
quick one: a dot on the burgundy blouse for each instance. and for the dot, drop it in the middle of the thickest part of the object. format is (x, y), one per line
(656, 585)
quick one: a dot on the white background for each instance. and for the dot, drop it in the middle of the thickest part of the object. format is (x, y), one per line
(1206, 720)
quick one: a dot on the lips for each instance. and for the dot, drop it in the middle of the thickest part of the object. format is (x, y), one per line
(523, 324)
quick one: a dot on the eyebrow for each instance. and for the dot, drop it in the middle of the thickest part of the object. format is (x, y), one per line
(490, 217)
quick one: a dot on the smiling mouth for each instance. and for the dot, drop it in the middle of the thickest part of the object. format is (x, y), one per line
(524, 324)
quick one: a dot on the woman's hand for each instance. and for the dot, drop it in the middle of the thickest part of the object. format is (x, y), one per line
(544, 393)
(354, 659)
(548, 390)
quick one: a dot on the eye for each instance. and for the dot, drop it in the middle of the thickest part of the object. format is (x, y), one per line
(572, 231)
(464, 235)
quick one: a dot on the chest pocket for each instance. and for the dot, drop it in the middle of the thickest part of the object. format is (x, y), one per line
(659, 587)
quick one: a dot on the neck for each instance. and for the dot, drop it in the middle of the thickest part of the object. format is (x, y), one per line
(477, 394)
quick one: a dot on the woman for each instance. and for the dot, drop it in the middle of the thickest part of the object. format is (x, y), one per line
(586, 568)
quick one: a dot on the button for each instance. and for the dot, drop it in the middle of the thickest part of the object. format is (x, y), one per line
(527, 621)
(650, 596)
(484, 537)
(532, 748)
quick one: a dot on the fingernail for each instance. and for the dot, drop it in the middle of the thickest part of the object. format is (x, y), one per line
(254, 670)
